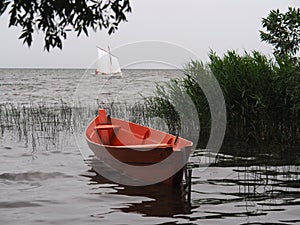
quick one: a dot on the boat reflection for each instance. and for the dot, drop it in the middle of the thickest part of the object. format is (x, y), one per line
(166, 201)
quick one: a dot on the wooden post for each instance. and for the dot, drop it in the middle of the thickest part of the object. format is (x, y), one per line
(189, 185)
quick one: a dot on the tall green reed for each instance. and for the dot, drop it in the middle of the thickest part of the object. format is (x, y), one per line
(261, 94)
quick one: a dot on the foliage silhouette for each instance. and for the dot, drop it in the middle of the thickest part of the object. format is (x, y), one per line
(54, 18)
(283, 31)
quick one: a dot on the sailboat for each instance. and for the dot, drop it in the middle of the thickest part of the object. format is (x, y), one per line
(107, 63)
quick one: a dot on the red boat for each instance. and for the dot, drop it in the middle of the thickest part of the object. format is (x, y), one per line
(151, 155)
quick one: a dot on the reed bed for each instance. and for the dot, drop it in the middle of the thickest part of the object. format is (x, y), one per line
(36, 124)
(261, 95)
(51, 127)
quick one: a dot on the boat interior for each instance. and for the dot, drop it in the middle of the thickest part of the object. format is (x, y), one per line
(114, 132)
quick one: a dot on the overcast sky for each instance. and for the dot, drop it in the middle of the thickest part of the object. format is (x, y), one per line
(197, 25)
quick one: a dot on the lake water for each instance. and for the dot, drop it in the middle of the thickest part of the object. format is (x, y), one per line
(44, 178)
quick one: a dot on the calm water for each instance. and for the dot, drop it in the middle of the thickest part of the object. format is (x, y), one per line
(45, 180)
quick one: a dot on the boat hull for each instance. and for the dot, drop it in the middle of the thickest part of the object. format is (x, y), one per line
(122, 144)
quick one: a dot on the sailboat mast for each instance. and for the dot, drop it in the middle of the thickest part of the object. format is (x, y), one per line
(110, 61)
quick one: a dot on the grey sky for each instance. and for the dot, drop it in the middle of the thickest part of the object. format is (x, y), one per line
(198, 25)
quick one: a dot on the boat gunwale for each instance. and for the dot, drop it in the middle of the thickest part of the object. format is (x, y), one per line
(139, 146)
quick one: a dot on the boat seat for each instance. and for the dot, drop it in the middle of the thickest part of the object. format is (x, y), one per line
(106, 132)
(107, 127)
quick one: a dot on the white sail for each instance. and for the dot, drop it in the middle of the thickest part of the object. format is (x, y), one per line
(107, 64)
(115, 66)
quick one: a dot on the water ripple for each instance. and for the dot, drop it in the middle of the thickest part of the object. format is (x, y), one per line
(31, 176)
(20, 204)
